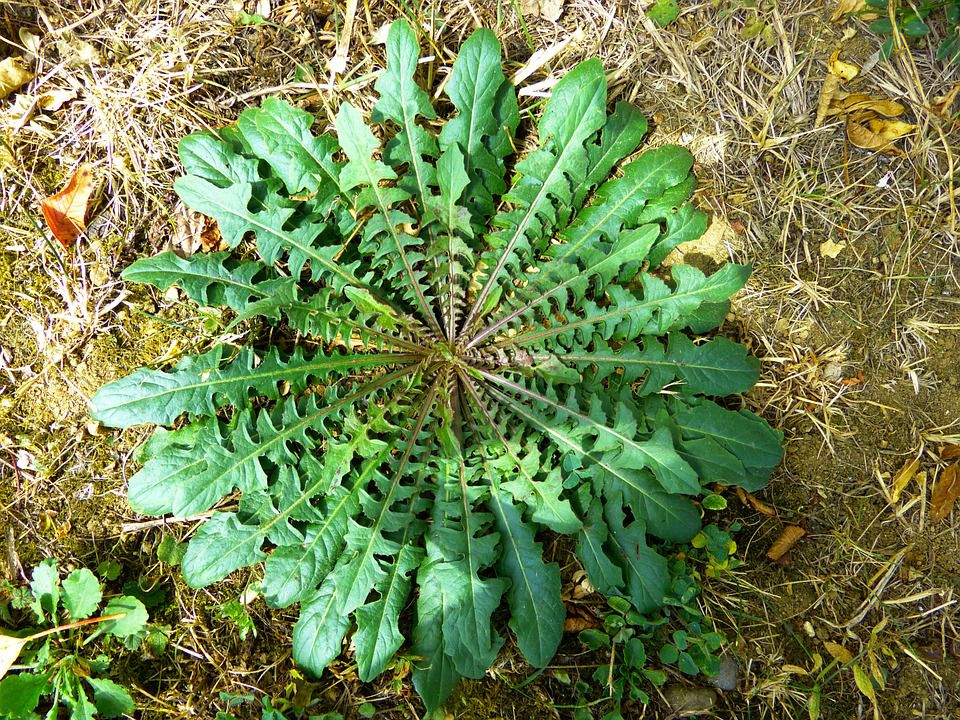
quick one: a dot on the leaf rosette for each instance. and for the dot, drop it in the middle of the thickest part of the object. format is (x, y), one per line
(484, 350)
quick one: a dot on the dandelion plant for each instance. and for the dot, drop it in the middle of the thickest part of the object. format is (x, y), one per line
(466, 354)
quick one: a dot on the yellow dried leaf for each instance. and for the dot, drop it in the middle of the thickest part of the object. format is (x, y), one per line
(872, 133)
(827, 93)
(794, 669)
(13, 76)
(787, 539)
(903, 477)
(831, 249)
(942, 104)
(844, 103)
(53, 100)
(843, 70)
(838, 652)
(945, 493)
(19, 113)
(10, 648)
(864, 684)
(890, 129)
(30, 42)
(846, 7)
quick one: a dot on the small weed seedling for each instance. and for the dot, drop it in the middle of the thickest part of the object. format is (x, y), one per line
(54, 663)
(467, 352)
(915, 20)
(675, 635)
(272, 709)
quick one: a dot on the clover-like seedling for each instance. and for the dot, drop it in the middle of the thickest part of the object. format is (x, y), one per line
(465, 354)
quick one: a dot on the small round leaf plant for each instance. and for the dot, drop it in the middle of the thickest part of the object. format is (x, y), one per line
(466, 351)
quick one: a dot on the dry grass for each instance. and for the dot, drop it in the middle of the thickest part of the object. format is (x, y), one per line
(858, 350)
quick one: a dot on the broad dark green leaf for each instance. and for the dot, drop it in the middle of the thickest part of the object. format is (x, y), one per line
(111, 700)
(81, 594)
(20, 695)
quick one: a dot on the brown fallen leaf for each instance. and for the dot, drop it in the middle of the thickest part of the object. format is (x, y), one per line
(950, 452)
(846, 103)
(858, 379)
(13, 76)
(66, 211)
(579, 618)
(945, 493)
(903, 477)
(579, 624)
(868, 132)
(756, 503)
(942, 105)
(787, 539)
(831, 85)
(838, 651)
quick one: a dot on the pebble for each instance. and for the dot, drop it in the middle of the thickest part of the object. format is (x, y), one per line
(729, 676)
(689, 701)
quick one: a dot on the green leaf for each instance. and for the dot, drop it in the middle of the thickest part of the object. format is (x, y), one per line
(111, 700)
(537, 612)
(207, 278)
(402, 101)
(199, 385)
(669, 654)
(434, 675)
(81, 594)
(222, 545)
(604, 574)
(170, 551)
(659, 309)
(750, 440)
(664, 12)
(45, 587)
(212, 158)
(645, 570)
(134, 619)
(318, 634)
(714, 502)
(476, 88)
(80, 706)
(378, 634)
(280, 134)
(388, 254)
(574, 113)
(716, 367)
(20, 695)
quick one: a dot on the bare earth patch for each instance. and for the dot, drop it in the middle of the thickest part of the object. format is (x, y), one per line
(854, 310)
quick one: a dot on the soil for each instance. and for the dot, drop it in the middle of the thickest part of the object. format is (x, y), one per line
(859, 360)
